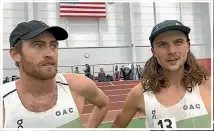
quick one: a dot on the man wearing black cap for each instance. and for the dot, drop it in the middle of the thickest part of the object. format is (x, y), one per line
(41, 98)
(175, 91)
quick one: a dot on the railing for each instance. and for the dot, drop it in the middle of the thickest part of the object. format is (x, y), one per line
(95, 69)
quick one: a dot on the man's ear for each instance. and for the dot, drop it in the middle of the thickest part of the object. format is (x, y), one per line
(188, 46)
(15, 55)
(153, 52)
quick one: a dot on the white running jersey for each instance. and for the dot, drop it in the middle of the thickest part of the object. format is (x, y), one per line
(190, 112)
(63, 115)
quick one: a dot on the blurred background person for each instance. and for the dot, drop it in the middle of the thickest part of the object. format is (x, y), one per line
(101, 76)
(76, 71)
(87, 71)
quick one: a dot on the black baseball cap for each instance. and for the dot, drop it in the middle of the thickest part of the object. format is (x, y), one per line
(31, 29)
(168, 25)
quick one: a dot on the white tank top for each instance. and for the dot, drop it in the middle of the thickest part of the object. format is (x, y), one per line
(190, 112)
(63, 115)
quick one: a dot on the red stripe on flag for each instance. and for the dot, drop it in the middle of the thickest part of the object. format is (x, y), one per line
(82, 7)
(94, 3)
(68, 11)
(86, 16)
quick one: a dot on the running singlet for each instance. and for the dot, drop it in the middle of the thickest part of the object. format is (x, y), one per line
(63, 115)
(190, 112)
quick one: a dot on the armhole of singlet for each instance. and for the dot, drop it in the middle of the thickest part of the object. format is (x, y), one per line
(9, 88)
(62, 80)
(196, 89)
(145, 98)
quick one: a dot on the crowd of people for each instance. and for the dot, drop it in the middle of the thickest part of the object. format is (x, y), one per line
(119, 74)
(124, 73)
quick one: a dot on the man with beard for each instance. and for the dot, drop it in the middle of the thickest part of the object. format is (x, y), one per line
(175, 91)
(41, 98)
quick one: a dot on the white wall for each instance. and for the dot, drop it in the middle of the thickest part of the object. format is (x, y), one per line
(112, 34)
(13, 13)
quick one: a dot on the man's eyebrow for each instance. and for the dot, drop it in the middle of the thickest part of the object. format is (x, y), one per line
(179, 39)
(54, 41)
(34, 41)
(40, 41)
(160, 42)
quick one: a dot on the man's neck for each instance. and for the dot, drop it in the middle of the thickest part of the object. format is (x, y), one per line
(34, 86)
(175, 78)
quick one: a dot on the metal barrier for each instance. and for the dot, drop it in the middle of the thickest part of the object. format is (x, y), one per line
(95, 69)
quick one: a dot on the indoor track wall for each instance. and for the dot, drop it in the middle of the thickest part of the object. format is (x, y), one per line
(122, 37)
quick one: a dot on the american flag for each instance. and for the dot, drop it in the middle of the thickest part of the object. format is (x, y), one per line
(83, 9)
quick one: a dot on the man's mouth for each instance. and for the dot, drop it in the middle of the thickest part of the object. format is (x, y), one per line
(174, 59)
(48, 64)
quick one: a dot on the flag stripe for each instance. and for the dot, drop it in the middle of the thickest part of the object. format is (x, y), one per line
(96, 3)
(83, 11)
(81, 5)
(93, 3)
(80, 9)
(83, 14)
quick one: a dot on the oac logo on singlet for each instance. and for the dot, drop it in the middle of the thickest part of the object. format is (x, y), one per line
(191, 106)
(64, 111)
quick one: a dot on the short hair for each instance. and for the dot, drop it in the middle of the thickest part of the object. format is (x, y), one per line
(18, 48)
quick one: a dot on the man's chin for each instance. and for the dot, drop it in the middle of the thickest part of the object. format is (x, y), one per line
(173, 68)
(47, 76)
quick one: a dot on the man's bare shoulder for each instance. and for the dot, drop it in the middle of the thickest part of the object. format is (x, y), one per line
(137, 90)
(79, 82)
(135, 98)
(137, 93)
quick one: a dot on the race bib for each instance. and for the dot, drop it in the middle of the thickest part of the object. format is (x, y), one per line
(165, 123)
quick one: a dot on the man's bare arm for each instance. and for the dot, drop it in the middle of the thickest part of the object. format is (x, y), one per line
(131, 106)
(100, 100)
(89, 90)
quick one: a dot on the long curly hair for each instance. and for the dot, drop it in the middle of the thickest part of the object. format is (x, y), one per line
(153, 78)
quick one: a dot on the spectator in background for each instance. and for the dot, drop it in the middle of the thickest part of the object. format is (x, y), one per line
(127, 73)
(109, 77)
(138, 72)
(87, 71)
(101, 75)
(6, 80)
(116, 74)
(13, 77)
(76, 70)
(121, 72)
(132, 72)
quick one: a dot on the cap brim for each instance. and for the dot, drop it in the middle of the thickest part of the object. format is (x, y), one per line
(184, 29)
(58, 32)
